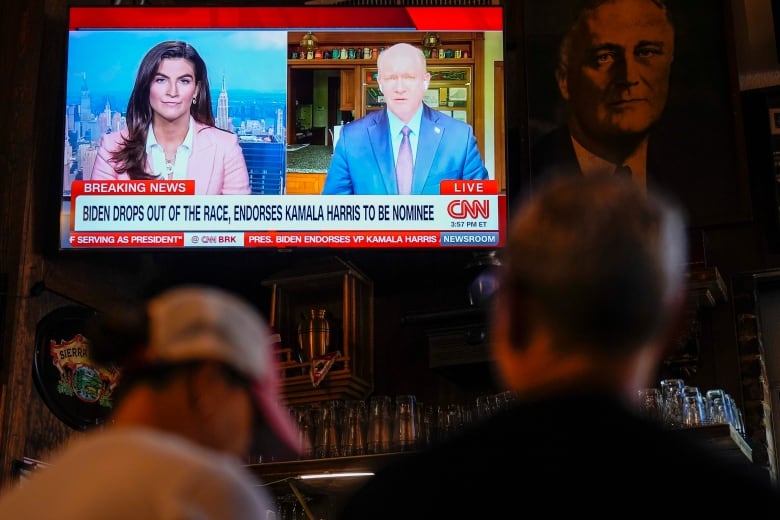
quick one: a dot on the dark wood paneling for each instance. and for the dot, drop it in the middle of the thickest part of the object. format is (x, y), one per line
(20, 29)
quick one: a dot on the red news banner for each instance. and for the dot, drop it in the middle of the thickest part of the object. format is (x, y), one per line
(142, 214)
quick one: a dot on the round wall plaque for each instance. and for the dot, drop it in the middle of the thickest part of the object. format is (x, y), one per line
(75, 389)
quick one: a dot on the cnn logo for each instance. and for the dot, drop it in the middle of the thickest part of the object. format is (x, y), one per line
(471, 209)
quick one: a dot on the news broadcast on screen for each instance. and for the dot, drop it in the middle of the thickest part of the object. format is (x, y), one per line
(234, 182)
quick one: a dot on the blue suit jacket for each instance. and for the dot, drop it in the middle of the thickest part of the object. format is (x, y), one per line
(363, 161)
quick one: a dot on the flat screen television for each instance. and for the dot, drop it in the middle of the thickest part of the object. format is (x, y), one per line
(286, 105)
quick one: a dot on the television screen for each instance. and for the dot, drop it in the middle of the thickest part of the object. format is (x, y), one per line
(267, 127)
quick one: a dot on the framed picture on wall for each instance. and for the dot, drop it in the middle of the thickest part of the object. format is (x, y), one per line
(647, 84)
(774, 121)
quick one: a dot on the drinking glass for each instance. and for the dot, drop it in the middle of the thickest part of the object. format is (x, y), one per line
(427, 434)
(405, 427)
(354, 436)
(506, 399)
(735, 414)
(723, 413)
(672, 391)
(651, 403)
(699, 415)
(306, 434)
(327, 433)
(380, 424)
(486, 406)
(692, 411)
(448, 420)
(718, 411)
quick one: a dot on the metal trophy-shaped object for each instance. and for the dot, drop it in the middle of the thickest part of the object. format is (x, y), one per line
(314, 333)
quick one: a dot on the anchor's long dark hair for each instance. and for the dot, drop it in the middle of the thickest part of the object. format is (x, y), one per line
(131, 158)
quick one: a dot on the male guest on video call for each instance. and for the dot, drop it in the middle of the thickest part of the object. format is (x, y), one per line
(614, 68)
(369, 158)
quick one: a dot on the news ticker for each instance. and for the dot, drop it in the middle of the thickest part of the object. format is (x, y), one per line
(169, 214)
(287, 239)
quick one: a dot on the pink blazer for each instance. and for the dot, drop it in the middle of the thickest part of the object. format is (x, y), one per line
(217, 162)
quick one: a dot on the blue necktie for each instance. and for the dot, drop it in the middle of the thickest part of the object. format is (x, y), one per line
(404, 165)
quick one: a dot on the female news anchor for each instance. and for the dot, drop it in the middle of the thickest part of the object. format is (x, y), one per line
(170, 130)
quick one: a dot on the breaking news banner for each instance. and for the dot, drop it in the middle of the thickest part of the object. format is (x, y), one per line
(167, 214)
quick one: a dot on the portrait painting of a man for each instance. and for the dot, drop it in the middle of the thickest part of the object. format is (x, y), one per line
(639, 88)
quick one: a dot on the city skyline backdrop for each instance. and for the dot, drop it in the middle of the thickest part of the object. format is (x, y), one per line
(108, 60)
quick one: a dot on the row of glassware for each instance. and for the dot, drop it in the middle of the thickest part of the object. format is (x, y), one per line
(678, 405)
(383, 423)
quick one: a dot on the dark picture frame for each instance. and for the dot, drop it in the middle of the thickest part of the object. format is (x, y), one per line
(774, 121)
(699, 136)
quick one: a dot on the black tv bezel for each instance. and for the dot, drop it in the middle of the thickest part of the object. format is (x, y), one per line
(516, 176)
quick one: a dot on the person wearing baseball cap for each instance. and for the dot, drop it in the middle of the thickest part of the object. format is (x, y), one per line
(198, 394)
